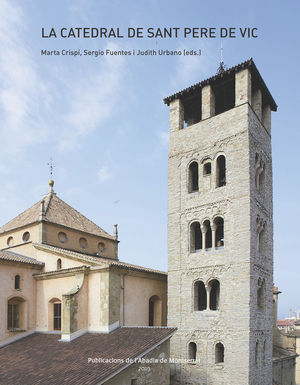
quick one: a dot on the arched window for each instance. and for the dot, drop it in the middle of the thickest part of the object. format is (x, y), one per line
(17, 282)
(195, 237)
(192, 351)
(260, 293)
(57, 315)
(221, 171)
(261, 241)
(214, 294)
(208, 234)
(58, 264)
(219, 234)
(207, 168)
(15, 313)
(200, 296)
(256, 353)
(219, 353)
(264, 353)
(259, 173)
(193, 177)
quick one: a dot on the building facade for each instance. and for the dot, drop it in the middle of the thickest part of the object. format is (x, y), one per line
(60, 273)
(220, 229)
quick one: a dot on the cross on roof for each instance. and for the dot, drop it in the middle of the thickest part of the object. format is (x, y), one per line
(51, 166)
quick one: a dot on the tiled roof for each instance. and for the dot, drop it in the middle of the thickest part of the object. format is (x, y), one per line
(14, 257)
(246, 64)
(286, 322)
(41, 359)
(56, 211)
(97, 260)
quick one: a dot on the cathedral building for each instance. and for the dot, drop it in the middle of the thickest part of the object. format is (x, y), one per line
(67, 300)
(62, 281)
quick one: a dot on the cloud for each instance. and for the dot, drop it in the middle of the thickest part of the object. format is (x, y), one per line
(92, 100)
(21, 88)
(104, 174)
(192, 68)
(49, 104)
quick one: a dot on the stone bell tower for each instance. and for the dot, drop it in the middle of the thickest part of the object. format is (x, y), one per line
(220, 229)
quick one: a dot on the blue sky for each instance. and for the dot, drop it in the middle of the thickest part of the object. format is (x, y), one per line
(104, 123)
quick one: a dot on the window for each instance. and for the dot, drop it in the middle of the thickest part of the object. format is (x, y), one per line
(13, 316)
(208, 235)
(261, 237)
(200, 296)
(57, 316)
(58, 264)
(192, 351)
(207, 168)
(155, 311)
(133, 382)
(195, 237)
(261, 293)
(221, 171)
(10, 241)
(193, 177)
(15, 310)
(224, 95)
(83, 243)
(62, 237)
(17, 282)
(259, 173)
(219, 234)
(26, 236)
(192, 110)
(256, 353)
(214, 294)
(219, 353)
(264, 353)
(101, 247)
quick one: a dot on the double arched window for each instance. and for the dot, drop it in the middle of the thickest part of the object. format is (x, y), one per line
(207, 236)
(207, 295)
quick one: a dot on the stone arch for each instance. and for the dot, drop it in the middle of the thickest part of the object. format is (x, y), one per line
(206, 164)
(219, 352)
(261, 288)
(218, 224)
(155, 311)
(214, 294)
(208, 234)
(195, 237)
(192, 350)
(193, 176)
(200, 296)
(220, 166)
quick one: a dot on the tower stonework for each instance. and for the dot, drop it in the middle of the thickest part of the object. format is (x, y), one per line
(220, 230)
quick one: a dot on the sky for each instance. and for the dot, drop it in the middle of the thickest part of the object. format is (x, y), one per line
(103, 121)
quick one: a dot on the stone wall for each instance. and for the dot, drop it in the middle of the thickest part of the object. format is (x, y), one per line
(238, 323)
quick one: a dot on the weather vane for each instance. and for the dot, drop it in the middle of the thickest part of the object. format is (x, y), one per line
(51, 166)
(222, 66)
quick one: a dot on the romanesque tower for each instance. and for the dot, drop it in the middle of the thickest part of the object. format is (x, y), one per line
(220, 229)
